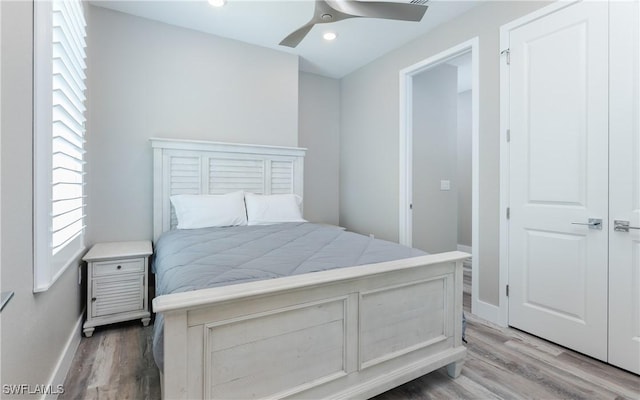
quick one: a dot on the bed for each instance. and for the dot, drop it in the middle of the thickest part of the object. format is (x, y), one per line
(307, 330)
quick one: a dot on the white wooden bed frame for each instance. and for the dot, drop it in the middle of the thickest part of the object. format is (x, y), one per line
(346, 333)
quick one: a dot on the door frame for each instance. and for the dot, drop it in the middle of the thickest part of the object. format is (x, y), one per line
(405, 219)
(503, 256)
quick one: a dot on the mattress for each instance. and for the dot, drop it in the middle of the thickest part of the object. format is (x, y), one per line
(209, 257)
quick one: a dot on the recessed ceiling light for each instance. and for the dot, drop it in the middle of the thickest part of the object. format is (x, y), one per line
(329, 36)
(217, 3)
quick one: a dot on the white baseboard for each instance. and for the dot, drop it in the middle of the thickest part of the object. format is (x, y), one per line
(486, 311)
(66, 358)
(466, 249)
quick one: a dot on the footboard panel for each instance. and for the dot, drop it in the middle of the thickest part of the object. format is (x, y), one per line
(267, 354)
(352, 332)
(403, 318)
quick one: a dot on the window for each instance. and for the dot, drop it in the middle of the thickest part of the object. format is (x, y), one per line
(58, 138)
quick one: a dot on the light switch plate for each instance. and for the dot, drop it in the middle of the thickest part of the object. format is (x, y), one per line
(445, 185)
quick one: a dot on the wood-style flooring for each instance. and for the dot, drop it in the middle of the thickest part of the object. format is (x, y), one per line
(501, 363)
(115, 363)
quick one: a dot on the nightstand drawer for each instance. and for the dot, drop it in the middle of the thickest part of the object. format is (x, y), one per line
(118, 267)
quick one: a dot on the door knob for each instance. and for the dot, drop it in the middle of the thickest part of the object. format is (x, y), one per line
(594, 223)
(623, 226)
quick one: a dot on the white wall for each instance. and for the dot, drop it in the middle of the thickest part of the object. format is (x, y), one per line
(319, 122)
(35, 327)
(435, 109)
(369, 167)
(149, 79)
(463, 181)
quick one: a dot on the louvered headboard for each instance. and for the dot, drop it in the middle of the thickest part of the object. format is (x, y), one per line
(201, 167)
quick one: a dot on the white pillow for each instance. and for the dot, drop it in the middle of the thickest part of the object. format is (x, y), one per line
(202, 211)
(273, 209)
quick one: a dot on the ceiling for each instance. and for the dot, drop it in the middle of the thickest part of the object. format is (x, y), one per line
(266, 22)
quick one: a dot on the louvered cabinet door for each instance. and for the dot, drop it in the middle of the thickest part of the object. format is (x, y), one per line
(117, 295)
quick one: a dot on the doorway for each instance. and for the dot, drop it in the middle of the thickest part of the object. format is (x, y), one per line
(421, 222)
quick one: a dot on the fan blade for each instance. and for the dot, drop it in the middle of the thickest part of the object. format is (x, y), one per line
(296, 36)
(385, 10)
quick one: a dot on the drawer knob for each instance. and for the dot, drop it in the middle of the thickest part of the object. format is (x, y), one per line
(119, 267)
(93, 299)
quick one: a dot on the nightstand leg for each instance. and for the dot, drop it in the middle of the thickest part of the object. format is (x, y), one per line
(145, 321)
(88, 332)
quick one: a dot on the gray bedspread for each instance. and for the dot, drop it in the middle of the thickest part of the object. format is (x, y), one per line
(209, 257)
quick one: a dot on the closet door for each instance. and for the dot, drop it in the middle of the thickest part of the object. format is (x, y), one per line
(558, 166)
(624, 175)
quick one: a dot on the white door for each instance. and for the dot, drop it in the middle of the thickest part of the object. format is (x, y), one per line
(624, 175)
(558, 159)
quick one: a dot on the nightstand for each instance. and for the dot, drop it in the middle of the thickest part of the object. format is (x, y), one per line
(117, 287)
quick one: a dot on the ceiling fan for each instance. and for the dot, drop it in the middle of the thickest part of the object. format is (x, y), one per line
(327, 11)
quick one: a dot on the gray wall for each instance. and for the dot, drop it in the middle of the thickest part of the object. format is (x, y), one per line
(435, 121)
(319, 122)
(149, 79)
(464, 180)
(35, 327)
(369, 150)
(369, 132)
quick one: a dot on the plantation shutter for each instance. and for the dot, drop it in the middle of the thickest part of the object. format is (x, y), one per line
(59, 137)
(68, 122)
